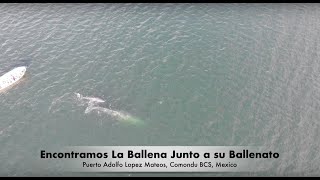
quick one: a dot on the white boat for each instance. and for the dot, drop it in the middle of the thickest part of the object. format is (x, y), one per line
(12, 77)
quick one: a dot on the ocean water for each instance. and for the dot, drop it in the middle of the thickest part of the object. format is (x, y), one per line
(195, 74)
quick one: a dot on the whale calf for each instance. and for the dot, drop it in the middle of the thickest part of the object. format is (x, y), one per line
(90, 99)
(92, 106)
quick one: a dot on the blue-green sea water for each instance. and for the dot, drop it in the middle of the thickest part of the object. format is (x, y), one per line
(195, 74)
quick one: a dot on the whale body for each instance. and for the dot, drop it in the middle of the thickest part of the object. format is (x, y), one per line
(90, 99)
(92, 106)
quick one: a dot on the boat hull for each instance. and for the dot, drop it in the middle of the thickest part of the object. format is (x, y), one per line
(12, 77)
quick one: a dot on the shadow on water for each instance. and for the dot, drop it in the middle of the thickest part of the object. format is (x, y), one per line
(22, 62)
